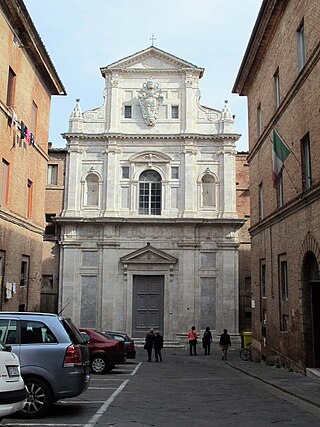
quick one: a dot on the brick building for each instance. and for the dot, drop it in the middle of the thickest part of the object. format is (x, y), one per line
(282, 57)
(53, 208)
(243, 210)
(28, 79)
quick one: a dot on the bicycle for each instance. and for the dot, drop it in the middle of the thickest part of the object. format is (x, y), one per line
(245, 353)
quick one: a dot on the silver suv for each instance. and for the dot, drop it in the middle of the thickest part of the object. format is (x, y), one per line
(53, 357)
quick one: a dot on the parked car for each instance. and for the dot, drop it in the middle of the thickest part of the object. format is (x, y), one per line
(128, 343)
(12, 390)
(104, 352)
(53, 355)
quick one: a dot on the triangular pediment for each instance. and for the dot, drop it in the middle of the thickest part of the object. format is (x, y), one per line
(150, 59)
(148, 255)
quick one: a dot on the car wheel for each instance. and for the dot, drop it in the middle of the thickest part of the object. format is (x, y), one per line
(99, 365)
(39, 398)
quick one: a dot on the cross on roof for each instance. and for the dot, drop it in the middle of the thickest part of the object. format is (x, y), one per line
(152, 38)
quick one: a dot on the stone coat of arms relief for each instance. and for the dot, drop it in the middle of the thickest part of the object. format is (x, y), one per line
(150, 99)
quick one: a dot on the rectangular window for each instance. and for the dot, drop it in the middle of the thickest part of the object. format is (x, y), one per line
(34, 115)
(174, 172)
(276, 78)
(30, 189)
(260, 190)
(301, 51)
(285, 323)
(284, 280)
(52, 176)
(174, 111)
(11, 89)
(4, 186)
(127, 111)
(125, 172)
(259, 120)
(50, 229)
(263, 278)
(280, 191)
(306, 162)
(24, 276)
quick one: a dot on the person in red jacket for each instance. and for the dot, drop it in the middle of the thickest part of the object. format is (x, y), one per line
(192, 338)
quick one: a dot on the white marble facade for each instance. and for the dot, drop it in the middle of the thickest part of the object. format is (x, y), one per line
(149, 226)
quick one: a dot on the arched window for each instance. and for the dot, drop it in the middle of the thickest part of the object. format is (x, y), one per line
(208, 190)
(150, 193)
(92, 190)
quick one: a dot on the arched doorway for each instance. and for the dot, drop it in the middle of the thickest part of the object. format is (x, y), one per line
(311, 281)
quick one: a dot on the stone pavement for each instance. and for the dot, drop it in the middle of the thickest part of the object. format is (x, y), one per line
(303, 387)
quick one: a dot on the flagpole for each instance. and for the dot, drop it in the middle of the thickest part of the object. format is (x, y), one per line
(288, 148)
(297, 191)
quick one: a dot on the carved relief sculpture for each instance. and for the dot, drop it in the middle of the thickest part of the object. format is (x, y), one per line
(150, 99)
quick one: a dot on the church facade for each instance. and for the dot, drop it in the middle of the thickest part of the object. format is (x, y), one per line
(149, 228)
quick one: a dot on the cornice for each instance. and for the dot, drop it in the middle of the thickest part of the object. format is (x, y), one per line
(20, 222)
(267, 21)
(300, 202)
(148, 137)
(233, 222)
(21, 24)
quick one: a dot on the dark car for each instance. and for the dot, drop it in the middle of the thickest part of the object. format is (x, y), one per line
(53, 355)
(128, 343)
(104, 352)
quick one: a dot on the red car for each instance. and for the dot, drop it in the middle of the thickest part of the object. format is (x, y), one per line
(104, 353)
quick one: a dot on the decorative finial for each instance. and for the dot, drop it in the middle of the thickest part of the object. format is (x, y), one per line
(152, 38)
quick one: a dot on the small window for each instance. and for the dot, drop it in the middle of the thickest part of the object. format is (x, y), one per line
(263, 279)
(52, 177)
(34, 115)
(50, 229)
(174, 111)
(261, 201)
(4, 185)
(11, 89)
(280, 191)
(24, 274)
(276, 78)
(127, 111)
(259, 120)
(125, 172)
(30, 191)
(285, 323)
(306, 162)
(301, 50)
(174, 172)
(284, 280)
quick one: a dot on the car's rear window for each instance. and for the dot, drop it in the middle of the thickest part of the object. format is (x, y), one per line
(73, 332)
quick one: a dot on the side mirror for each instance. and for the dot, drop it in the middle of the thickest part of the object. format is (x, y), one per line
(8, 348)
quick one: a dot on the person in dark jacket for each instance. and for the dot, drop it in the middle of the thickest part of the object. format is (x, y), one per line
(158, 345)
(206, 341)
(225, 342)
(149, 343)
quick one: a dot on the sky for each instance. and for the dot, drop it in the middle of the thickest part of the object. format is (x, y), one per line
(81, 36)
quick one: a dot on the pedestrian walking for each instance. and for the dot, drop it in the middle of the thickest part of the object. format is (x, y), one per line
(206, 341)
(158, 345)
(225, 342)
(192, 338)
(149, 341)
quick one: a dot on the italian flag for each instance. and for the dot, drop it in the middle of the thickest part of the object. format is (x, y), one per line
(280, 151)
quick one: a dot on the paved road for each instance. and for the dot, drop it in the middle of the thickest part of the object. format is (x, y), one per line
(189, 391)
